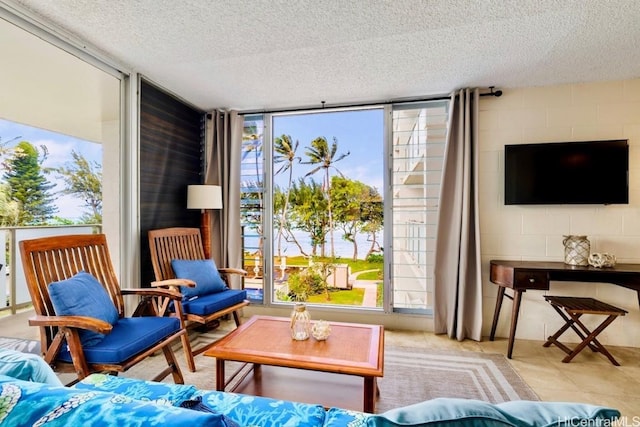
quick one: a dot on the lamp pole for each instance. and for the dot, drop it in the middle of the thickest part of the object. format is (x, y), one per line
(205, 198)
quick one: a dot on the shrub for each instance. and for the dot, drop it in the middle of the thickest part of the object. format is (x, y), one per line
(375, 258)
(304, 283)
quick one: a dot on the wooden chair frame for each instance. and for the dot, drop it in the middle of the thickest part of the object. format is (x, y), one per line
(51, 259)
(186, 243)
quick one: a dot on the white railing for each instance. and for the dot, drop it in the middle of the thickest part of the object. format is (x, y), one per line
(13, 286)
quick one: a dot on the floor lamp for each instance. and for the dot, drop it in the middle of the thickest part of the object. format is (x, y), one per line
(205, 198)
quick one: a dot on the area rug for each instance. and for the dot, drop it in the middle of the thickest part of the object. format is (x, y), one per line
(25, 346)
(411, 375)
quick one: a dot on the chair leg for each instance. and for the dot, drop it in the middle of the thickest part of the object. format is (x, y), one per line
(236, 318)
(188, 352)
(77, 355)
(173, 364)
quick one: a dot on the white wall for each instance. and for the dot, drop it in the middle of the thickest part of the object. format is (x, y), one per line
(46, 87)
(577, 112)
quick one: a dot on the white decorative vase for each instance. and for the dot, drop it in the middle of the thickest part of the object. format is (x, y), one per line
(576, 250)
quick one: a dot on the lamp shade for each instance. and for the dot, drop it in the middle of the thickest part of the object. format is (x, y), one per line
(204, 197)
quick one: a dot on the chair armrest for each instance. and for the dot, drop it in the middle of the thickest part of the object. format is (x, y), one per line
(156, 292)
(229, 270)
(174, 282)
(80, 322)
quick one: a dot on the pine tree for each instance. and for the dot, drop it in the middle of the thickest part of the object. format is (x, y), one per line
(28, 185)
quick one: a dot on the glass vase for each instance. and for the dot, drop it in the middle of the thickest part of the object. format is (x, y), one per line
(576, 250)
(300, 322)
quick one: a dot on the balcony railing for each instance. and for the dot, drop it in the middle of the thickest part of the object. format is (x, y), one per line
(13, 286)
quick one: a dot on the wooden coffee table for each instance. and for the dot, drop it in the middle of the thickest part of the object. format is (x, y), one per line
(352, 349)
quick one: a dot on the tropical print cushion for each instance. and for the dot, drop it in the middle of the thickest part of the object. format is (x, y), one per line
(163, 393)
(26, 403)
(252, 411)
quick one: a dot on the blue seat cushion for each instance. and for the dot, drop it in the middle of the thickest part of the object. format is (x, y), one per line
(202, 271)
(83, 295)
(207, 304)
(129, 336)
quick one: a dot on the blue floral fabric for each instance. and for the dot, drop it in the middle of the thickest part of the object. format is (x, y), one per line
(25, 403)
(247, 411)
(103, 400)
(252, 411)
(163, 393)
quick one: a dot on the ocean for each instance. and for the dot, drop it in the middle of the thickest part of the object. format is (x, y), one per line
(343, 248)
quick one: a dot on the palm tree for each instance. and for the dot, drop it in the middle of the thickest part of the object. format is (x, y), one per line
(321, 154)
(285, 153)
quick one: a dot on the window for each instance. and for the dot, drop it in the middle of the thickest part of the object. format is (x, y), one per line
(317, 210)
(419, 136)
(252, 204)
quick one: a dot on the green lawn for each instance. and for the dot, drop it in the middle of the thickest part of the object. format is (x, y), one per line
(339, 296)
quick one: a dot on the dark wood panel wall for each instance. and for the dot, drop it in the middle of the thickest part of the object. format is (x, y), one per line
(171, 157)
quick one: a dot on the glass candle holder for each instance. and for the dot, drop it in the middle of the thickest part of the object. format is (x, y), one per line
(300, 322)
(321, 330)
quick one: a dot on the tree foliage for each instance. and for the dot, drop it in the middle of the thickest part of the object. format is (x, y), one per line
(325, 157)
(28, 186)
(357, 208)
(284, 154)
(9, 209)
(83, 180)
(309, 212)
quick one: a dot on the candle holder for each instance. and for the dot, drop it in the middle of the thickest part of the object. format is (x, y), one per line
(321, 330)
(300, 322)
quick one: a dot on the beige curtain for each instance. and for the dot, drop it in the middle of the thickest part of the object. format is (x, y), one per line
(223, 146)
(458, 284)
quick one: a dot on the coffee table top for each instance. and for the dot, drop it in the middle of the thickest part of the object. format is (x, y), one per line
(354, 349)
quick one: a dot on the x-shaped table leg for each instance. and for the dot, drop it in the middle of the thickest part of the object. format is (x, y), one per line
(588, 337)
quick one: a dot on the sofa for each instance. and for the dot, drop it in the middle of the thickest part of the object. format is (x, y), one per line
(104, 400)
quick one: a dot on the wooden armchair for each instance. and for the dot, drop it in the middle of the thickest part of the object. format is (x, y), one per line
(74, 274)
(185, 244)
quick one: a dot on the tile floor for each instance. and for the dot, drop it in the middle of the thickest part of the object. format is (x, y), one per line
(589, 378)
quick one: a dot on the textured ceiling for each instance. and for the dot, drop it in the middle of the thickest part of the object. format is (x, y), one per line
(272, 54)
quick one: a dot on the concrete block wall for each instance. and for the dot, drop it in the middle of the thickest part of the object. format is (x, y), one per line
(573, 112)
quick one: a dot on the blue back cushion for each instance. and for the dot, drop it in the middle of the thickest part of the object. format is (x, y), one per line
(83, 295)
(202, 271)
(454, 412)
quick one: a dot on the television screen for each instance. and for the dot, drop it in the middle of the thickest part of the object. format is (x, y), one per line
(587, 172)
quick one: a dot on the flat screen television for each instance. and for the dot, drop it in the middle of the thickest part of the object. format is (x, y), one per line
(585, 172)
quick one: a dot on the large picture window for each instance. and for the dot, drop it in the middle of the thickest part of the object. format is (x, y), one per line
(326, 209)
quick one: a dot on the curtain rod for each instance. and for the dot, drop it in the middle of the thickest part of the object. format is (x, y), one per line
(492, 92)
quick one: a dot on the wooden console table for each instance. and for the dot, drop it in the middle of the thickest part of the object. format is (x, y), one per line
(523, 275)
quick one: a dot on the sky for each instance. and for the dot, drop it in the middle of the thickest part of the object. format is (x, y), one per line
(60, 147)
(358, 132)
